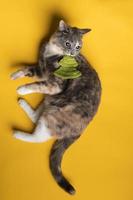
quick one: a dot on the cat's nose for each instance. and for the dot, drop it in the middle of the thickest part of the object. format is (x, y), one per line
(72, 53)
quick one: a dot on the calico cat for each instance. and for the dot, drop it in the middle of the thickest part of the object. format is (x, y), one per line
(69, 105)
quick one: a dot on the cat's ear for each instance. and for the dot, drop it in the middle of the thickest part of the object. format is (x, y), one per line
(63, 26)
(84, 30)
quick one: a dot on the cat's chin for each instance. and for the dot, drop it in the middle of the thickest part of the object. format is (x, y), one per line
(69, 54)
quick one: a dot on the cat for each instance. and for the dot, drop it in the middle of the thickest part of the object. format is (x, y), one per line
(69, 105)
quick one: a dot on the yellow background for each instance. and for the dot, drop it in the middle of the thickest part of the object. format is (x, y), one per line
(100, 164)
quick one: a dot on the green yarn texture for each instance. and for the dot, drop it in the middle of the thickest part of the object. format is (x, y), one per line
(68, 68)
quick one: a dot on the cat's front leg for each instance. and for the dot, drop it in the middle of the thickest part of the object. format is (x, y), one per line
(29, 71)
(43, 87)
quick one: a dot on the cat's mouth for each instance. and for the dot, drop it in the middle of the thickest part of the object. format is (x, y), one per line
(70, 54)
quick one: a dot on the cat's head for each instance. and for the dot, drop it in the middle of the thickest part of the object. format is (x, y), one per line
(68, 39)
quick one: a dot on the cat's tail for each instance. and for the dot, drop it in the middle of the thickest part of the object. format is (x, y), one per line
(56, 155)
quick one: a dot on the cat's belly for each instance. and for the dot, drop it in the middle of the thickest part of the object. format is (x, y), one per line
(70, 112)
(64, 122)
(85, 102)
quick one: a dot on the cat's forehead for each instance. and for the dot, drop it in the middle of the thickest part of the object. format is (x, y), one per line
(74, 31)
(72, 35)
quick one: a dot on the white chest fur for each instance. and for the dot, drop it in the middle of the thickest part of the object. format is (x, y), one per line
(52, 49)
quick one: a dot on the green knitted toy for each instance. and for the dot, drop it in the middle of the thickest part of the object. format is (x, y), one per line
(67, 68)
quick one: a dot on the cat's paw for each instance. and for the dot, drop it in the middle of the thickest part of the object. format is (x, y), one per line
(16, 75)
(16, 134)
(22, 90)
(21, 101)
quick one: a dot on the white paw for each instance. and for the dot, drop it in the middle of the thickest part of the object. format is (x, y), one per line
(17, 74)
(16, 134)
(21, 102)
(23, 90)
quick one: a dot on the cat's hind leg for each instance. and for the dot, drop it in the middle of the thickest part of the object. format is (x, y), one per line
(32, 113)
(40, 134)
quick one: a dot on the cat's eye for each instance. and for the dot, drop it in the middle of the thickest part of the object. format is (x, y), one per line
(68, 44)
(65, 32)
(78, 47)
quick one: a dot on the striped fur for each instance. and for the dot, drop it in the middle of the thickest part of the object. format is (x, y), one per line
(56, 155)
